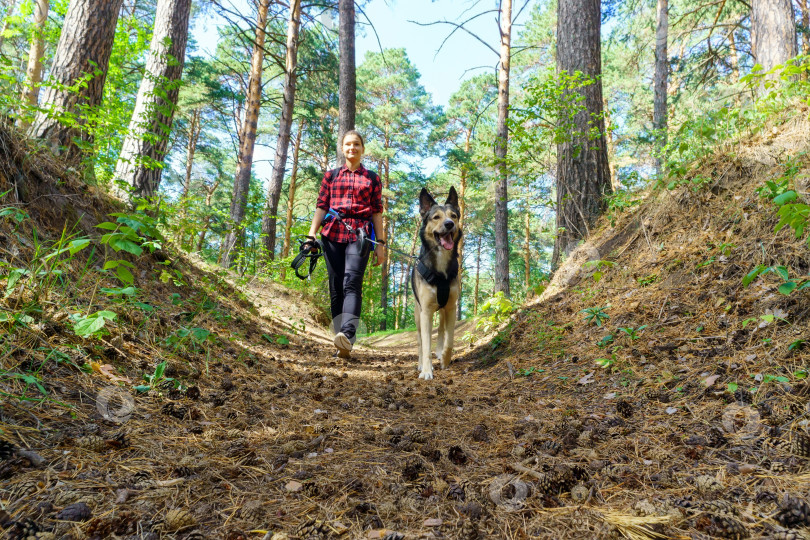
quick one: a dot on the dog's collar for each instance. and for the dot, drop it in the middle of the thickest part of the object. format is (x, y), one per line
(441, 280)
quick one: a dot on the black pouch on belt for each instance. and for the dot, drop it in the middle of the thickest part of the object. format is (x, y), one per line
(363, 242)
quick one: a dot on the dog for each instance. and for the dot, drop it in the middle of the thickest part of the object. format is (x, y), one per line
(435, 282)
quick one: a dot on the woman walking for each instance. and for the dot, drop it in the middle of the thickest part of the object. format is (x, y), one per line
(355, 194)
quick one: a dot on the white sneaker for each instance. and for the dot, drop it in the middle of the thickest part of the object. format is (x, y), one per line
(343, 344)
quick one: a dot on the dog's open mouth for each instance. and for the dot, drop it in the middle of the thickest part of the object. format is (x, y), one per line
(445, 240)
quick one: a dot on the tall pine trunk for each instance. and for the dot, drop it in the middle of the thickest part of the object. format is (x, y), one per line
(805, 26)
(583, 175)
(347, 75)
(284, 129)
(477, 277)
(660, 83)
(285, 249)
(247, 140)
(773, 33)
(527, 244)
(33, 74)
(386, 262)
(462, 209)
(83, 53)
(140, 163)
(501, 140)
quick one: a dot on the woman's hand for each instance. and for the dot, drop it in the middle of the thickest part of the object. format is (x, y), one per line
(378, 254)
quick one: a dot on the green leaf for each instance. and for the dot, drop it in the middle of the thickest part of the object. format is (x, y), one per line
(282, 340)
(142, 388)
(107, 226)
(732, 387)
(752, 275)
(78, 245)
(125, 275)
(785, 197)
(88, 326)
(787, 287)
(160, 369)
(783, 379)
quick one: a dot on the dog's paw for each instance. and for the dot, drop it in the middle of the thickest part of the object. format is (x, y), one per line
(427, 375)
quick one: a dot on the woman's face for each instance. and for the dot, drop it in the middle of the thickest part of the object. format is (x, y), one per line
(352, 147)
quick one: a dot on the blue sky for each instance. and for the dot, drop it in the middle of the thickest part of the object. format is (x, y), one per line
(462, 55)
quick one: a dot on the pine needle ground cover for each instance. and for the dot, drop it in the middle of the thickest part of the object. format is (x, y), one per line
(210, 411)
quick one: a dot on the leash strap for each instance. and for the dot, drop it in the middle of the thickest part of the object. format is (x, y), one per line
(311, 249)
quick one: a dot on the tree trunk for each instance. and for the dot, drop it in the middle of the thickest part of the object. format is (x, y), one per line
(386, 263)
(462, 209)
(805, 26)
(611, 148)
(285, 249)
(583, 176)
(194, 130)
(501, 197)
(33, 74)
(477, 277)
(140, 164)
(209, 195)
(9, 13)
(247, 140)
(733, 57)
(773, 33)
(284, 129)
(527, 244)
(83, 53)
(347, 80)
(660, 84)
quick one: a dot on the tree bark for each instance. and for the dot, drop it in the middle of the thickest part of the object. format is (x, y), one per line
(733, 57)
(83, 53)
(501, 139)
(247, 140)
(209, 195)
(527, 244)
(194, 130)
(805, 26)
(140, 164)
(347, 79)
(285, 249)
(33, 74)
(660, 84)
(583, 176)
(477, 277)
(611, 148)
(462, 209)
(284, 129)
(386, 265)
(773, 33)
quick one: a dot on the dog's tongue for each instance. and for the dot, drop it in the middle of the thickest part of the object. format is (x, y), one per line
(447, 241)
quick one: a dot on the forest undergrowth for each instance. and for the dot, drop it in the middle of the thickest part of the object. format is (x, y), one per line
(657, 390)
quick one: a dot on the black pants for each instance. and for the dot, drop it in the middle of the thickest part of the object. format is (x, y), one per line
(346, 269)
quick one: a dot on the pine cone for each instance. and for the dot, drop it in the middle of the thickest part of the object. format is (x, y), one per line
(312, 529)
(799, 444)
(788, 534)
(404, 445)
(75, 512)
(550, 447)
(252, 512)
(743, 397)
(722, 526)
(93, 443)
(793, 512)
(708, 484)
(25, 488)
(177, 519)
(469, 531)
(456, 492)
(624, 408)
(715, 438)
(6, 450)
(417, 435)
(479, 433)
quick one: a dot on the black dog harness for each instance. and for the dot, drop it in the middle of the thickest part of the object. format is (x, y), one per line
(439, 280)
(311, 249)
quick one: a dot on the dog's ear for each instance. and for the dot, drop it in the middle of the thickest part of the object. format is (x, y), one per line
(452, 198)
(426, 202)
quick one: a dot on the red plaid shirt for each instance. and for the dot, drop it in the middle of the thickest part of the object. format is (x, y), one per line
(356, 195)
